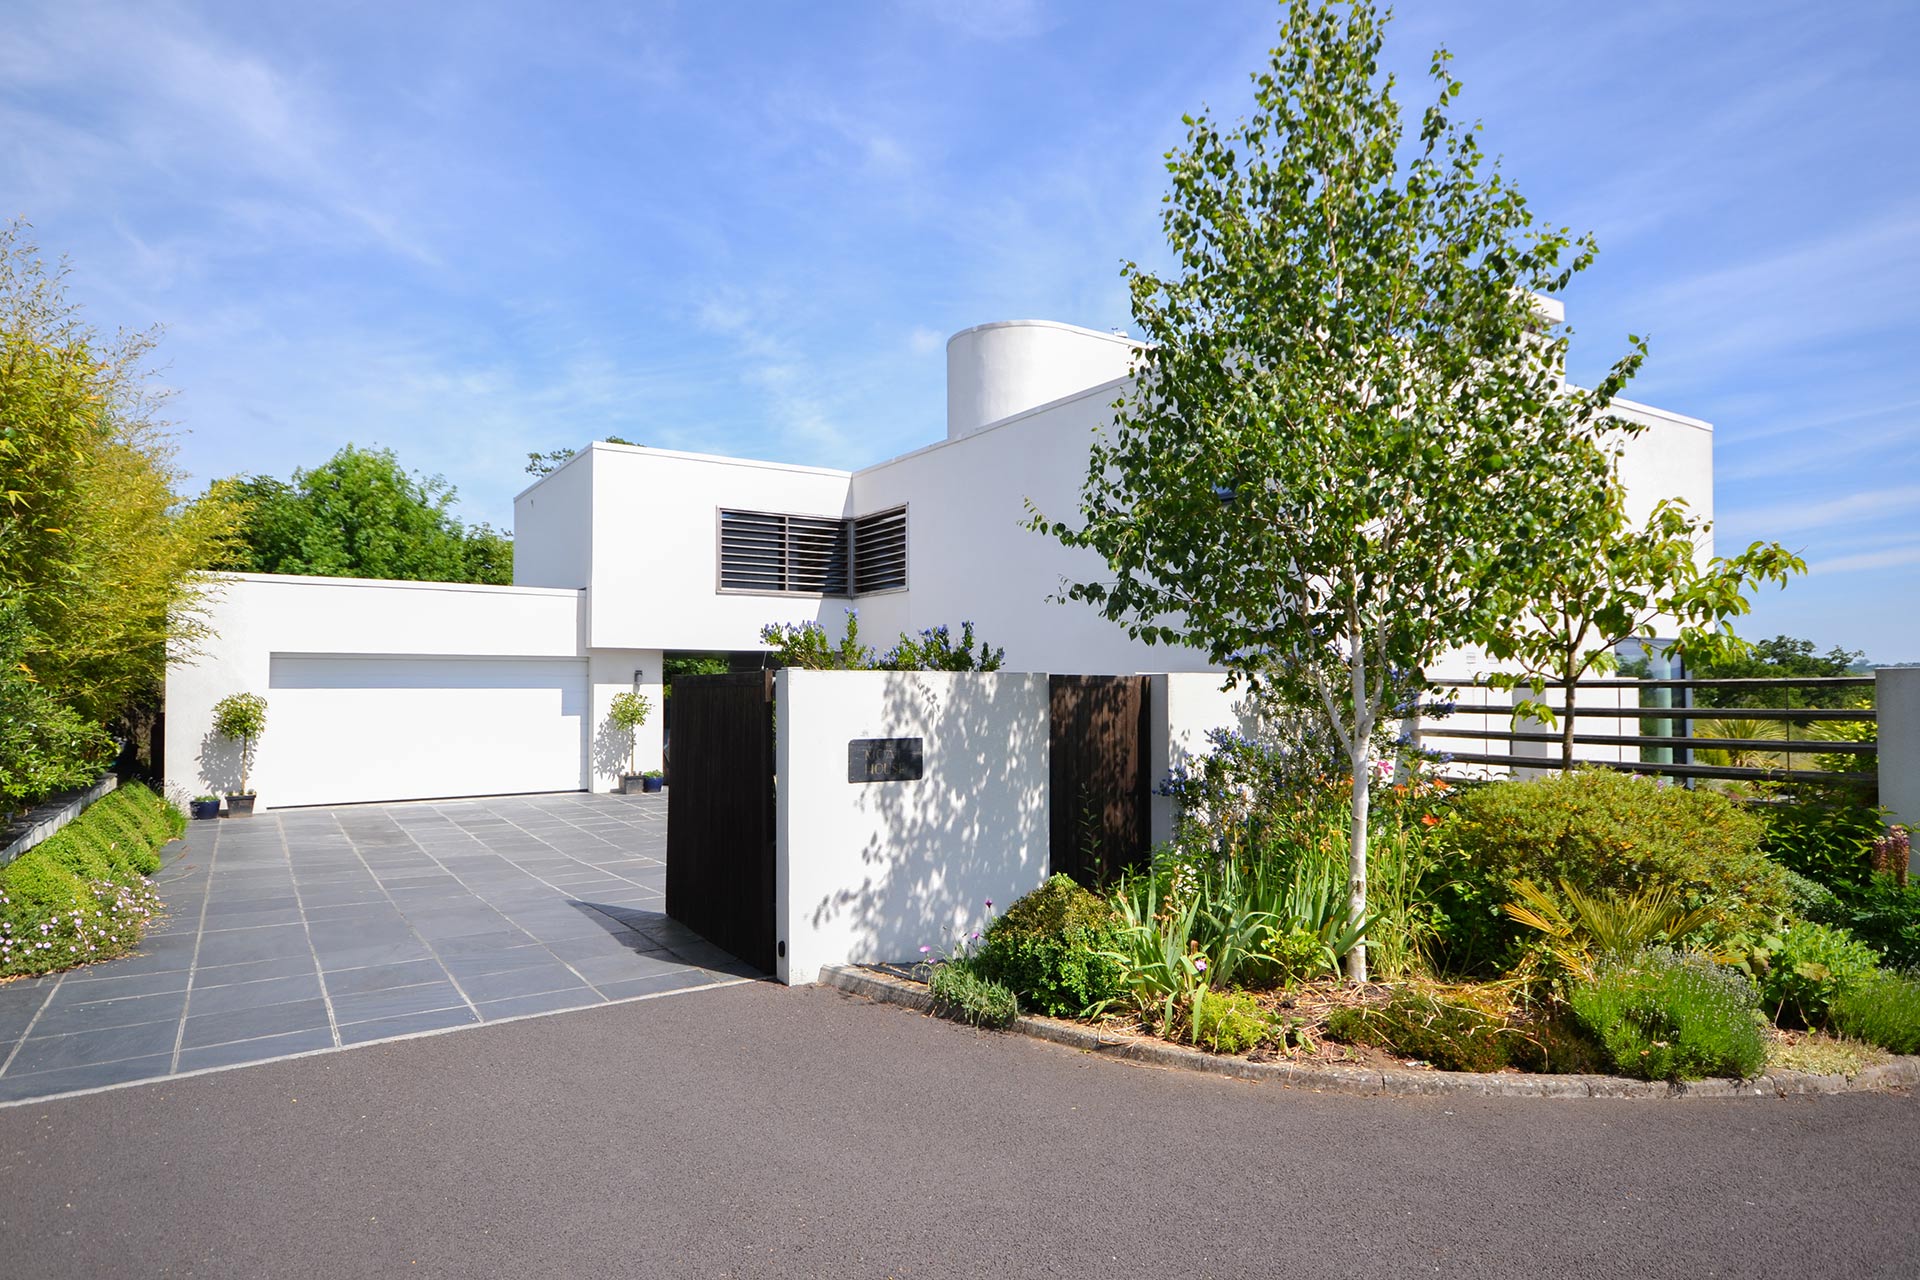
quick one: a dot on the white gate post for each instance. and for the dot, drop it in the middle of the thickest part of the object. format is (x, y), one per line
(1896, 700)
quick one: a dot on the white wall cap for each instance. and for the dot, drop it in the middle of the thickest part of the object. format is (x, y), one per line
(1102, 388)
(1122, 339)
(391, 584)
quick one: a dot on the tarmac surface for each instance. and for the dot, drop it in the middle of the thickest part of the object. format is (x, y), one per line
(757, 1131)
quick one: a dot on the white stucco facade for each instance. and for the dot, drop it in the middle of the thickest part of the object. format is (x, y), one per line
(382, 690)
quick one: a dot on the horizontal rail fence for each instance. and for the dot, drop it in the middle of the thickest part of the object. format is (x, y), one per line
(1739, 745)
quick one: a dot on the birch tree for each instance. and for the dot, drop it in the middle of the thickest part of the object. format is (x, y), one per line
(1349, 428)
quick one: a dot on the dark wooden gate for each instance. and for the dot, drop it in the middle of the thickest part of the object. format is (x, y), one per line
(720, 816)
(1100, 799)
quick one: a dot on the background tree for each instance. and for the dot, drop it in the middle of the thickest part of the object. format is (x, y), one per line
(1349, 424)
(98, 555)
(360, 514)
(1613, 582)
(1782, 657)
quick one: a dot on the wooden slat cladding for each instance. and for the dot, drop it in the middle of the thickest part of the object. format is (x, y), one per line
(1101, 794)
(720, 813)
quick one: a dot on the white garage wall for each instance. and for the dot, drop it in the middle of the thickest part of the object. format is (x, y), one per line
(252, 617)
(874, 871)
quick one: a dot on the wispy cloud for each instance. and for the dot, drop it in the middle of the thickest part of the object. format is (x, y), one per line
(1802, 516)
(1891, 558)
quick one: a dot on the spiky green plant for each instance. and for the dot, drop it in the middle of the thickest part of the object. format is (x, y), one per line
(1584, 930)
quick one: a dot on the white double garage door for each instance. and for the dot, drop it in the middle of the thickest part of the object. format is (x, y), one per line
(349, 728)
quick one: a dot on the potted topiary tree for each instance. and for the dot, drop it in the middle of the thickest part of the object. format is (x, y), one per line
(243, 718)
(629, 711)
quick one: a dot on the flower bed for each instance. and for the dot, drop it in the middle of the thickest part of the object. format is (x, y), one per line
(1586, 923)
(83, 894)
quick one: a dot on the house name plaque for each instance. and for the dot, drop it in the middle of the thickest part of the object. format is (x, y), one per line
(884, 760)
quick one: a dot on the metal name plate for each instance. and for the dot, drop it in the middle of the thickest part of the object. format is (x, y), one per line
(884, 760)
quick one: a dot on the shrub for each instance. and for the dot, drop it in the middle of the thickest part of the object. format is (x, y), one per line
(81, 895)
(1882, 1009)
(1601, 830)
(1449, 1034)
(1824, 834)
(1673, 1016)
(1228, 1021)
(1055, 949)
(1813, 964)
(1885, 915)
(960, 993)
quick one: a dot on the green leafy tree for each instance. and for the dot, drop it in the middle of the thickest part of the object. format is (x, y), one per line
(98, 555)
(1350, 422)
(361, 514)
(1611, 582)
(45, 746)
(1781, 658)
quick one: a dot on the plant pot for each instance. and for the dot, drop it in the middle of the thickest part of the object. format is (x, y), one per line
(654, 784)
(631, 784)
(204, 808)
(240, 806)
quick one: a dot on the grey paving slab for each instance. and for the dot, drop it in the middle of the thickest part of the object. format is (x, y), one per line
(310, 929)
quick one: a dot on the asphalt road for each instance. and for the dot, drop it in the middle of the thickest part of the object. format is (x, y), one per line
(752, 1131)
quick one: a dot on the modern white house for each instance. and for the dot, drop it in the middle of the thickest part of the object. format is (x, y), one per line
(402, 690)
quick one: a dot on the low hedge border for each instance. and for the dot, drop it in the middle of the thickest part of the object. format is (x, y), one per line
(1901, 1073)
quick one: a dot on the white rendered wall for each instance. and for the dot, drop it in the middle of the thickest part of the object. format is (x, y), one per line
(611, 673)
(255, 616)
(553, 528)
(1183, 707)
(1896, 699)
(656, 567)
(970, 556)
(997, 370)
(872, 872)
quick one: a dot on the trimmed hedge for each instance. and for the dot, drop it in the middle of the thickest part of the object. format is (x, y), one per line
(82, 894)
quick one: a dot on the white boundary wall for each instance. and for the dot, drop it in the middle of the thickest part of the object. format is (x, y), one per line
(872, 872)
(1896, 700)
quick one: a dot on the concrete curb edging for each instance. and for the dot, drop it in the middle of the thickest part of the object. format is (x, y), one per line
(1902, 1072)
(40, 823)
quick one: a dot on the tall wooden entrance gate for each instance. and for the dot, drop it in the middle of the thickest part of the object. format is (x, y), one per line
(720, 814)
(1101, 795)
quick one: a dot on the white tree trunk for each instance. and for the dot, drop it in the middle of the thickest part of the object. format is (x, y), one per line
(1362, 784)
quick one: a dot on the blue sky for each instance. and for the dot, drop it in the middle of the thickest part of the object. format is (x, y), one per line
(470, 231)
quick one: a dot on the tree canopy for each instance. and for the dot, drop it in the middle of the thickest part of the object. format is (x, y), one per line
(98, 554)
(1617, 581)
(360, 514)
(1350, 428)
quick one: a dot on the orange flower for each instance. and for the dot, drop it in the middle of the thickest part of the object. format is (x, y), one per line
(1428, 820)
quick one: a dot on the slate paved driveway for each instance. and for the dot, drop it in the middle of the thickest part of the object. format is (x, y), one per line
(310, 929)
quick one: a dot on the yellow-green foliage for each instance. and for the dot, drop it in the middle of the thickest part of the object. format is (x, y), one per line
(1581, 928)
(82, 894)
(1607, 832)
(1228, 1021)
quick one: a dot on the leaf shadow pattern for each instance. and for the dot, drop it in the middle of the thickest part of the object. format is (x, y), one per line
(874, 871)
(219, 758)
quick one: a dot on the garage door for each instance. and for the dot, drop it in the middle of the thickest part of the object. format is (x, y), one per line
(349, 728)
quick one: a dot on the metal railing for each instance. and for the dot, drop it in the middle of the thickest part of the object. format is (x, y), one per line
(1672, 749)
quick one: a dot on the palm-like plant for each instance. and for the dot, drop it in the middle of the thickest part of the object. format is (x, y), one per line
(1584, 930)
